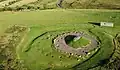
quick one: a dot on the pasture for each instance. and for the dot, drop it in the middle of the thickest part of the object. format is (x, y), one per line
(36, 50)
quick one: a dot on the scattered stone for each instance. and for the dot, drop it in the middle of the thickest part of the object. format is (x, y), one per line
(80, 56)
(88, 53)
(72, 54)
(47, 38)
(52, 56)
(46, 54)
(78, 59)
(60, 56)
(68, 56)
(57, 45)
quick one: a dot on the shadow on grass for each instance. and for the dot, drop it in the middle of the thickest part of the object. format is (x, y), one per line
(94, 23)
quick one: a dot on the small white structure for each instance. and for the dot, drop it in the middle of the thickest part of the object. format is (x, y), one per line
(108, 24)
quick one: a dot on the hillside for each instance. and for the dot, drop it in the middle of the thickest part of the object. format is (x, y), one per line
(108, 4)
(52, 4)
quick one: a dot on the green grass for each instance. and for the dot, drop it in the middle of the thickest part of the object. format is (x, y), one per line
(82, 42)
(105, 47)
(55, 22)
(40, 48)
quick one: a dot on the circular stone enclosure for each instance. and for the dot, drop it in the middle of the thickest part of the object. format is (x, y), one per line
(61, 43)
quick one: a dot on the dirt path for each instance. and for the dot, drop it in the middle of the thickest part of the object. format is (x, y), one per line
(59, 3)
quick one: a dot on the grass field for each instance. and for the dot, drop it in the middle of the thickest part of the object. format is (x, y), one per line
(36, 49)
